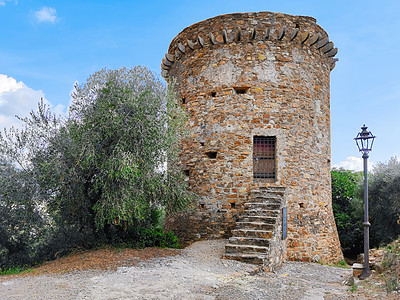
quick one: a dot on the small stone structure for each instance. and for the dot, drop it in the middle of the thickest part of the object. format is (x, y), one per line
(256, 90)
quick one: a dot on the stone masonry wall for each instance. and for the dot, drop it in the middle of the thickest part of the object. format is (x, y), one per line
(257, 74)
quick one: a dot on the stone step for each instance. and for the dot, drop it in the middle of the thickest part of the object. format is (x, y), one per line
(254, 225)
(230, 248)
(258, 218)
(263, 242)
(252, 258)
(268, 200)
(267, 234)
(250, 241)
(261, 206)
(266, 195)
(270, 190)
(262, 212)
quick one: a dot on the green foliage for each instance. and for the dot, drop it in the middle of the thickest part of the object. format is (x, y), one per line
(107, 173)
(391, 258)
(384, 200)
(123, 129)
(21, 223)
(139, 237)
(384, 205)
(353, 287)
(392, 284)
(14, 270)
(347, 209)
(391, 266)
(344, 185)
(341, 264)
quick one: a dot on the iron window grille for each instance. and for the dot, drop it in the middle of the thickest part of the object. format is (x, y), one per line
(264, 154)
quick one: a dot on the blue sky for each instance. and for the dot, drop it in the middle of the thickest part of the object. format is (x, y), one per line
(45, 46)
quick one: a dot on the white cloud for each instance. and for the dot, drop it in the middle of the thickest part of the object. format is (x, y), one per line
(18, 99)
(353, 163)
(9, 84)
(46, 14)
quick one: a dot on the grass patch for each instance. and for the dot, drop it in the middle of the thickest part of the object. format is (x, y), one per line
(341, 264)
(353, 288)
(14, 270)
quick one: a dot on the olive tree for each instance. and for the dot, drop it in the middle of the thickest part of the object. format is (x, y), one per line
(384, 199)
(23, 222)
(114, 163)
(107, 172)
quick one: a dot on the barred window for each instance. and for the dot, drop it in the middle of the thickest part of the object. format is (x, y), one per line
(264, 157)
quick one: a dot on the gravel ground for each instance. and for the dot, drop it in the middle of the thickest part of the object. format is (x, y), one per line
(197, 273)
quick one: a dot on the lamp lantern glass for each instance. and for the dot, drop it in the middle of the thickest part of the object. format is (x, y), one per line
(364, 140)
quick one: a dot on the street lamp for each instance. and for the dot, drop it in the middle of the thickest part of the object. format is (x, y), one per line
(364, 141)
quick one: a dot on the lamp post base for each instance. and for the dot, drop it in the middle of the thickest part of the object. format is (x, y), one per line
(365, 273)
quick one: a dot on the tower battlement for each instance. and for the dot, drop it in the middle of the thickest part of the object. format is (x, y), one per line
(250, 28)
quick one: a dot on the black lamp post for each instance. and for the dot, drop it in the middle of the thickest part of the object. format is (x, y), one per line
(364, 141)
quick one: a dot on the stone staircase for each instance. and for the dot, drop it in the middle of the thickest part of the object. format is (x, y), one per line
(258, 235)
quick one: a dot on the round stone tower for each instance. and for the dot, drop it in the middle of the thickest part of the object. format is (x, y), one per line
(256, 90)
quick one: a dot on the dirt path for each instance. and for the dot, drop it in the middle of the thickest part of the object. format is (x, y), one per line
(196, 273)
